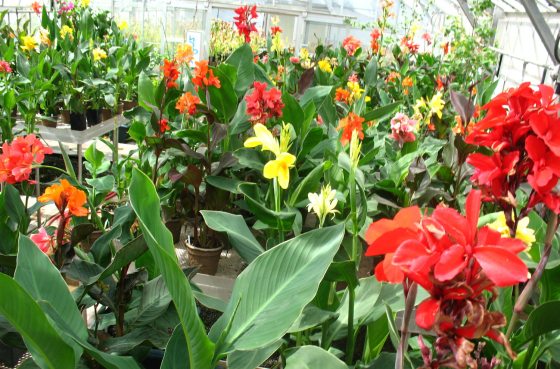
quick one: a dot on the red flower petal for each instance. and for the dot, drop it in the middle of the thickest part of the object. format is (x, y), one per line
(473, 212)
(451, 262)
(426, 313)
(501, 266)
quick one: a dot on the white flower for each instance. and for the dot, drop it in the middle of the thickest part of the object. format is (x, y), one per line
(323, 203)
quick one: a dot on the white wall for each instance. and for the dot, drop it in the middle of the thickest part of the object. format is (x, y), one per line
(516, 35)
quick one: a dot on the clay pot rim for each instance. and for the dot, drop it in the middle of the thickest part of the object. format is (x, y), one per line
(192, 247)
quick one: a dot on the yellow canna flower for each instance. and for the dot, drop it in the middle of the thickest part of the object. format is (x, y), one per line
(323, 203)
(277, 44)
(436, 105)
(285, 138)
(122, 25)
(303, 53)
(263, 137)
(523, 232)
(325, 65)
(413, 29)
(280, 168)
(99, 54)
(85, 3)
(66, 31)
(355, 91)
(29, 43)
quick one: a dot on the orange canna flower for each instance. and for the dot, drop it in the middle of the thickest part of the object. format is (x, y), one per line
(36, 7)
(65, 196)
(342, 95)
(187, 103)
(349, 124)
(170, 73)
(393, 76)
(184, 54)
(203, 76)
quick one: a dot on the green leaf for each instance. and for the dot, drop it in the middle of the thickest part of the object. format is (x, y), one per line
(67, 163)
(312, 357)
(49, 350)
(176, 355)
(153, 303)
(310, 183)
(292, 112)
(311, 317)
(240, 122)
(272, 292)
(146, 205)
(42, 280)
(146, 95)
(544, 319)
(274, 219)
(242, 59)
(238, 232)
(371, 73)
(252, 359)
(224, 99)
(369, 305)
(382, 113)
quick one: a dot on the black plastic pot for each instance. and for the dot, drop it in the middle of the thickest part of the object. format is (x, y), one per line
(78, 121)
(124, 137)
(92, 116)
(153, 360)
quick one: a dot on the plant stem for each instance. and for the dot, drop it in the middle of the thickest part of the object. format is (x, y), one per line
(277, 207)
(354, 215)
(59, 252)
(120, 301)
(532, 284)
(350, 339)
(529, 354)
(403, 344)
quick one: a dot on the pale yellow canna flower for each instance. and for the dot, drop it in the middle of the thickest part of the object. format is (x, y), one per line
(280, 168)
(99, 54)
(323, 203)
(355, 149)
(436, 104)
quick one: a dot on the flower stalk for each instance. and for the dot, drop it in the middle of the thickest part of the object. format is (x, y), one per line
(527, 292)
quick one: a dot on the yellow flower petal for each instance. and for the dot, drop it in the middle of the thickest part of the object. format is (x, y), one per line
(270, 170)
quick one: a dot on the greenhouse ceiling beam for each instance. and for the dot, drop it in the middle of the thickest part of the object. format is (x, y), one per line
(543, 30)
(465, 8)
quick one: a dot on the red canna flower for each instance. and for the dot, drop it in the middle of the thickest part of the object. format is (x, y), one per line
(522, 127)
(294, 60)
(170, 73)
(348, 124)
(445, 48)
(262, 104)
(204, 76)
(439, 83)
(187, 103)
(402, 128)
(408, 43)
(351, 44)
(456, 262)
(43, 240)
(274, 30)
(19, 156)
(164, 125)
(5, 67)
(244, 21)
(426, 37)
(374, 43)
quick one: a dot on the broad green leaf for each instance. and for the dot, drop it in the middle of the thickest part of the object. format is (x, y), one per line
(371, 73)
(224, 99)
(146, 205)
(544, 319)
(310, 183)
(292, 112)
(49, 350)
(272, 292)
(242, 59)
(382, 112)
(311, 317)
(239, 234)
(146, 96)
(176, 354)
(252, 359)
(371, 299)
(274, 219)
(42, 280)
(313, 357)
(154, 302)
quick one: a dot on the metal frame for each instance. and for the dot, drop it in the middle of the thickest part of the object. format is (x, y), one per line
(542, 28)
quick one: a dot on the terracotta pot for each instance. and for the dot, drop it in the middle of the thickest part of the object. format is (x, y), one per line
(127, 104)
(106, 114)
(65, 116)
(49, 122)
(90, 240)
(175, 226)
(206, 260)
(78, 121)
